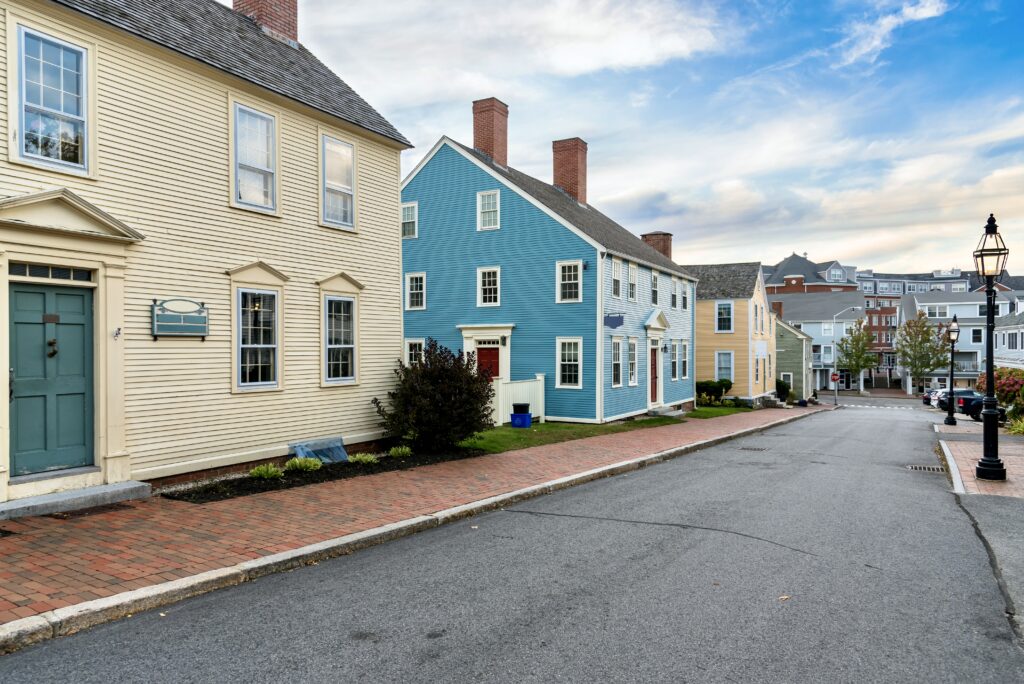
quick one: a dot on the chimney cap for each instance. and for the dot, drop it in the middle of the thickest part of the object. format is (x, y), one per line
(489, 100)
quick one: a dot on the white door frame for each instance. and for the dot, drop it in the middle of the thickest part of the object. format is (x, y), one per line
(654, 344)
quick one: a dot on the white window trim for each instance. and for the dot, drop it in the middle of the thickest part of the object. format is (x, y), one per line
(408, 278)
(828, 328)
(732, 365)
(655, 288)
(324, 187)
(497, 205)
(277, 339)
(732, 316)
(617, 264)
(684, 295)
(355, 341)
(632, 281)
(558, 362)
(480, 286)
(235, 163)
(789, 382)
(410, 341)
(18, 115)
(684, 353)
(674, 294)
(558, 281)
(617, 340)
(674, 360)
(415, 220)
(633, 361)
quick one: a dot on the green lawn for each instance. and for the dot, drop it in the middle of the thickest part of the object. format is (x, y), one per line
(507, 438)
(715, 411)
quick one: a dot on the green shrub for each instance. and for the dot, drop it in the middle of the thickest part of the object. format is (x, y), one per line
(266, 471)
(302, 464)
(439, 402)
(367, 459)
(704, 399)
(728, 403)
(400, 452)
(792, 398)
(715, 389)
(782, 389)
(1016, 427)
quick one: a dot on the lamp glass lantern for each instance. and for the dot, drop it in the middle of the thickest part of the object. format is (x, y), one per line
(953, 331)
(991, 255)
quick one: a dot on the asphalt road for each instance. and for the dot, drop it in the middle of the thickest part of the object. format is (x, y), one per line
(806, 553)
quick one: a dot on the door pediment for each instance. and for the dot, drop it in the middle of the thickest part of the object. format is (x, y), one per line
(656, 321)
(62, 211)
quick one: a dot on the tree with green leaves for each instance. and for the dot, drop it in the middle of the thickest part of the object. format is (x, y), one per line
(921, 347)
(856, 352)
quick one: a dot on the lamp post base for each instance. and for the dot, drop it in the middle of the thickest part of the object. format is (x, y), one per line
(950, 420)
(990, 471)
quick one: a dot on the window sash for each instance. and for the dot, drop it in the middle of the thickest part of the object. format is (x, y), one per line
(53, 118)
(257, 337)
(632, 282)
(632, 361)
(415, 291)
(723, 366)
(338, 170)
(488, 210)
(654, 287)
(616, 279)
(488, 284)
(723, 318)
(339, 339)
(616, 363)
(569, 285)
(570, 363)
(413, 351)
(684, 352)
(410, 220)
(675, 360)
(253, 176)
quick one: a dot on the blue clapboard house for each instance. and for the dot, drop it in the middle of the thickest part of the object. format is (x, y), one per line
(536, 281)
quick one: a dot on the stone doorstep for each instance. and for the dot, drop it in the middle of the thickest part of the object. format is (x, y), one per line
(18, 634)
(73, 500)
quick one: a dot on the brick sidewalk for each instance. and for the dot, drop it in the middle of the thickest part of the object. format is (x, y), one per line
(51, 562)
(967, 454)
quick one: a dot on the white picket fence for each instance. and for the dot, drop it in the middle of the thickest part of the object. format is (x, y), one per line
(508, 392)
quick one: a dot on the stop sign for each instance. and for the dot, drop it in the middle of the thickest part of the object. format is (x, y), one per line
(835, 377)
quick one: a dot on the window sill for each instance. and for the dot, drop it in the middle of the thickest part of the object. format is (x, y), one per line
(568, 301)
(43, 165)
(418, 308)
(339, 226)
(324, 384)
(487, 230)
(257, 390)
(276, 213)
(569, 387)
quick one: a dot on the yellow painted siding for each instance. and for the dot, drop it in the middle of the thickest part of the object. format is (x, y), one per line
(163, 163)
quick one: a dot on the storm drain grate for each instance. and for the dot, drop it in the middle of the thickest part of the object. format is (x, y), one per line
(753, 448)
(926, 468)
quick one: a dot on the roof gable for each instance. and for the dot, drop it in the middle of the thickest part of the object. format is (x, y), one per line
(214, 34)
(63, 211)
(726, 281)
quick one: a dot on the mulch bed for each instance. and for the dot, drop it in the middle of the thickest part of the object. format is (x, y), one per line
(244, 486)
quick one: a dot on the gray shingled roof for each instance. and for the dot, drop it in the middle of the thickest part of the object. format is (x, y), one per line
(937, 297)
(1010, 320)
(586, 218)
(795, 264)
(725, 281)
(819, 306)
(217, 35)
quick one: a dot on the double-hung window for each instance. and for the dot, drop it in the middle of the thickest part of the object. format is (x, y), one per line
(415, 291)
(757, 370)
(674, 297)
(255, 159)
(675, 360)
(976, 335)
(413, 352)
(340, 336)
(488, 210)
(53, 99)
(570, 362)
(684, 363)
(686, 295)
(632, 360)
(723, 317)
(488, 286)
(257, 338)
(632, 283)
(410, 220)
(569, 288)
(827, 328)
(654, 288)
(339, 160)
(616, 362)
(616, 278)
(723, 365)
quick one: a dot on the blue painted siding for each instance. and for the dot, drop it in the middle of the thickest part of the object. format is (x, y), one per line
(449, 249)
(632, 399)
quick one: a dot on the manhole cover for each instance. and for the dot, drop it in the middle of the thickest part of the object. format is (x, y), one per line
(753, 448)
(926, 468)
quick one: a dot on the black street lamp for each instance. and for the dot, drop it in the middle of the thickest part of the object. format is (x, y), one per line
(990, 260)
(952, 334)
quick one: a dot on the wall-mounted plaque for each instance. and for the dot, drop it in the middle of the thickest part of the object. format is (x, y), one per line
(614, 320)
(180, 318)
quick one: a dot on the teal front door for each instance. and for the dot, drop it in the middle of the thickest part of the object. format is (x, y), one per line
(51, 378)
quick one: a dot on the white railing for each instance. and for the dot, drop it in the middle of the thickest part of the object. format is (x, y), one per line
(508, 392)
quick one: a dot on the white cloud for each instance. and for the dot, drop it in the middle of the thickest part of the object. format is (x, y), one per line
(865, 41)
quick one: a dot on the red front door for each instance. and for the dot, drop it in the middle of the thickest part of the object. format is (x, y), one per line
(654, 375)
(487, 360)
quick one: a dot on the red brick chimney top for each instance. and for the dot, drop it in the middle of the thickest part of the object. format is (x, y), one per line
(659, 240)
(490, 129)
(569, 160)
(279, 18)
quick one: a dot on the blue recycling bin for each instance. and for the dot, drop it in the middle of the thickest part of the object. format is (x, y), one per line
(522, 420)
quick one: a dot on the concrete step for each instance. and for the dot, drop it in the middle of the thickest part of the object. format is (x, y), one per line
(665, 411)
(74, 500)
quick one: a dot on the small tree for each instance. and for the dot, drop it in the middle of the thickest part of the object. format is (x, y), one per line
(855, 351)
(921, 347)
(439, 401)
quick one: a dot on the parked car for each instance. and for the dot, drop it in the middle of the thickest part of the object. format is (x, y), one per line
(942, 400)
(936, 395)
(926, 398)
(972, 406)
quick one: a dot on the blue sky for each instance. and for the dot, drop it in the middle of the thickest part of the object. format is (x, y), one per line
(877, 132)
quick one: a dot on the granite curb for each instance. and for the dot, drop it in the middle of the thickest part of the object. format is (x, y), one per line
(64, 621)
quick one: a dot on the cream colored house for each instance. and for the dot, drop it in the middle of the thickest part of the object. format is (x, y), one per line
(199, 242)
(735, 336)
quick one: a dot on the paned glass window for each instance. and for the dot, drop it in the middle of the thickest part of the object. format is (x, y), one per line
(255, 163)
(339, 182)
(616, 278)
(569, 363)
(569, 282)
(723, 319)
(488, 287)
(53, 105)
(632, 361)
(632, 282)
(341, 339)
(654, 287)
(488, 210)
(616, 363)
(410, 220)
(257, 337)
(416, 291)
(414, 352)
(723, 366)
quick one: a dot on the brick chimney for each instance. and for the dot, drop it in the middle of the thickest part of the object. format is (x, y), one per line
(279, 18)
(777, 308)
(569, 159)
(659, 240)
(490, 129)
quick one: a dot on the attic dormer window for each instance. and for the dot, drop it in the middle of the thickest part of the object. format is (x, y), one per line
(53, 117)
(837, 274)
